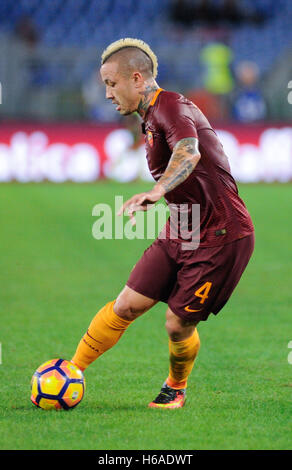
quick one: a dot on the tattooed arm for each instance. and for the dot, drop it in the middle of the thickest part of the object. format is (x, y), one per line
(183, 161)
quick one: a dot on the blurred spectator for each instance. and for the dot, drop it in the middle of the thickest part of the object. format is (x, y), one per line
(231, 12)
(181, 11)
(248, 103)
(26, 31)
(218, 81)
(97, 107)
(206, 11)
(216, 58)
(187, 12)
(35, 67)
(234, 13)
(210, 12)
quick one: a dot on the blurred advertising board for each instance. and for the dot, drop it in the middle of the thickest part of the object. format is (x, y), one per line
(87, 152)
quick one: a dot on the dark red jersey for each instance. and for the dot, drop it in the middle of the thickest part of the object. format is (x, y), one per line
(223, 215)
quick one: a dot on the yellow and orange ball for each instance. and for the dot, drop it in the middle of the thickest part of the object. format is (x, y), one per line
(57, 384)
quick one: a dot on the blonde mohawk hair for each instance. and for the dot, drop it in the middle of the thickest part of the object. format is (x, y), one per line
(130, 42)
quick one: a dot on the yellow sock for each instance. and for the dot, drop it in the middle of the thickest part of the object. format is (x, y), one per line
(182, 355)
(103, 333)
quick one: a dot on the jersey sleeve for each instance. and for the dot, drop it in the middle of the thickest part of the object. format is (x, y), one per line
(176, 120)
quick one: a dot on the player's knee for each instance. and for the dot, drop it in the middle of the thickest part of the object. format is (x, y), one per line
(178, 329)
(125, 308)
(130, 304)
(173, 329)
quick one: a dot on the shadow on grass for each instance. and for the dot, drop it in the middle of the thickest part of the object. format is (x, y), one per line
(84, 409)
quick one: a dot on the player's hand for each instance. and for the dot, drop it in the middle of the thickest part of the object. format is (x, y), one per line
(141, 202)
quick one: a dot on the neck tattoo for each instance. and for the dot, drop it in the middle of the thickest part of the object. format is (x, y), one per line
(146, 98)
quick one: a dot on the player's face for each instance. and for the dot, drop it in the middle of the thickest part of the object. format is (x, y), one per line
(120, 90)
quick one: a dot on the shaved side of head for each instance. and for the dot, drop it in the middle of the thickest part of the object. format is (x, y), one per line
(132, 55)
(131, 59)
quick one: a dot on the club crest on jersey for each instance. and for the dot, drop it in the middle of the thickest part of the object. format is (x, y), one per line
(150, 138)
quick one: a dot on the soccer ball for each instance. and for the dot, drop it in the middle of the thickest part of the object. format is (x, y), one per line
(57, 384)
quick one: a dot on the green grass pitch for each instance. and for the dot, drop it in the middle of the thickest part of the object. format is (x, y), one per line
(55, 276)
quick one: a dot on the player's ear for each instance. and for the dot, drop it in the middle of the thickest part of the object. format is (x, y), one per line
(138, 79)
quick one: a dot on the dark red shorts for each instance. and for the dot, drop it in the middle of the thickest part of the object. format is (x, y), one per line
(194, 283)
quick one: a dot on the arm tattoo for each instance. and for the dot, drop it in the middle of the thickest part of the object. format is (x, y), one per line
(183, 161)
(147, 96)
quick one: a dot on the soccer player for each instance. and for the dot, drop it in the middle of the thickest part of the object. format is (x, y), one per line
(189, 165)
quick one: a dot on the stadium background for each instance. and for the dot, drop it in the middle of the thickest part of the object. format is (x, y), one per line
(233, 59)
(230, 57)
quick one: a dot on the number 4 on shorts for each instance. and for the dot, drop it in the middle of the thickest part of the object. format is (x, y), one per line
(203, 291)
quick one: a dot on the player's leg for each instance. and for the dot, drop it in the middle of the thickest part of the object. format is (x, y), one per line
(204, 290)
(184, 345)
(109, 324)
